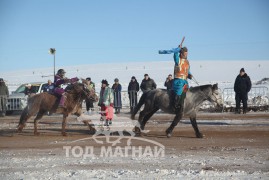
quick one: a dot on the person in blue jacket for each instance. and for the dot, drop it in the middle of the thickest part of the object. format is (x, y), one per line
(181, 74)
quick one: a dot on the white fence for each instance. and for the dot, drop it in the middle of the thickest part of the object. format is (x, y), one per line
(257, 97)
(3, 102)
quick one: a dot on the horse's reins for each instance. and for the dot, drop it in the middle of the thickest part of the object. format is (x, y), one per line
(194, 80)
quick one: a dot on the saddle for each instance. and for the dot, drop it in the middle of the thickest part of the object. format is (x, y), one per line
(174, 98)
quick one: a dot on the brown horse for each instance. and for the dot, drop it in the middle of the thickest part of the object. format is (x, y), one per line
(44, 102)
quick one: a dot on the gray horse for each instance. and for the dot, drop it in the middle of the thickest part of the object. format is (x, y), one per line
(161, 99)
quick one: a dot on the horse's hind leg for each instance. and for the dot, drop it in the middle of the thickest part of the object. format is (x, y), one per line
(25, 115)
(147, 117)
(195, 127)
(38, 116)
(64, 124)
(92, 129)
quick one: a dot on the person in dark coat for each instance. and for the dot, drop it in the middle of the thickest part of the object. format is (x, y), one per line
(169, 82)
(133, 88)
(49, 88)
(242, 86)
(4, 93)
(147, 84)
(117, 96)
(29, 90)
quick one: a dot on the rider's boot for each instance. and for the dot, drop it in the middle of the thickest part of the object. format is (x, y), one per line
(177, 101)
(62, 101)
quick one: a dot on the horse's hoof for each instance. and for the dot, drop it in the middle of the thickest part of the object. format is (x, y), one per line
(168, 135)
(92, 131)
(137, 129)
(85, 123)
(200, 135)
(132, 117)
(36, 133)
(64, 133)
(20, 127)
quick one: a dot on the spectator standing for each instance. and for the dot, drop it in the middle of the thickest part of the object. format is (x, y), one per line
(117, 95)
(242, 86)
(169, 82)
(147, 84)
(4, 93)
(133, 88)
(29, 91)
(106, 102)
(89, 102)
(49, 88)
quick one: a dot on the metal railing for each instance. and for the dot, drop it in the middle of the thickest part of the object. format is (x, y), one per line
(257, 96)
(126, 99)
(3, 103)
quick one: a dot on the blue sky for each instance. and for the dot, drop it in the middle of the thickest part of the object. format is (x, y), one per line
(90, 32)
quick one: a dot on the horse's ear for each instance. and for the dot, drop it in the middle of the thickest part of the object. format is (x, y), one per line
(215, 86)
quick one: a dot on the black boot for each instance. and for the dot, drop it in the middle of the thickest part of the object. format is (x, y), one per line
(237, 111)
(106, 123)
(177, 102)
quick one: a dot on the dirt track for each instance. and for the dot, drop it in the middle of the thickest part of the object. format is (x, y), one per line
(233, 146)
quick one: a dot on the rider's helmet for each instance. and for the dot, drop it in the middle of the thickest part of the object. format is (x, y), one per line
(61, 72)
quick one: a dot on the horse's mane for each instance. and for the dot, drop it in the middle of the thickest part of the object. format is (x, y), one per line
(72, 86)
(199, 88)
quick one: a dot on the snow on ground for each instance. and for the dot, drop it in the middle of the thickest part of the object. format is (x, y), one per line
(210, 162)
(203, 159)
(180, 166)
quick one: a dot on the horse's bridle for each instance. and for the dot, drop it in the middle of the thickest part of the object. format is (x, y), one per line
(214, 100)
(85, 92)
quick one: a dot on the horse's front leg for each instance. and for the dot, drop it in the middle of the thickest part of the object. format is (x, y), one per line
(35, 128)
(174, 123)
(64, 124)
(147, 117)
(139, 126)
(195, 127)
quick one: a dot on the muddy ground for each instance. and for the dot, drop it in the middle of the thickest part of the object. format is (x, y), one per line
(234, 146)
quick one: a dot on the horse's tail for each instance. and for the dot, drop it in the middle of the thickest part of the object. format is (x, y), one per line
(31, 109)
(23, 118)
(138, 106)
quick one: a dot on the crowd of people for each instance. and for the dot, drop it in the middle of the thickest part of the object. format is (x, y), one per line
(110, 98)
